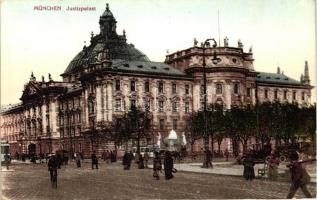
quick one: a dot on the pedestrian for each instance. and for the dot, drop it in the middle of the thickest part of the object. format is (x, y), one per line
(94, 160)
(112, 157)
(146, 159)
(168, 165)
(107, 156)
(208, 158)
(248, 163)
(52, 168)
(298, 176)
(23, 157)
(103, 155)
(7, 160)
(141, 162)
(157, 166)
(227, 154)
(126, 161)
(78, 159)
(65, 158)
(137, 157)
(273, 164)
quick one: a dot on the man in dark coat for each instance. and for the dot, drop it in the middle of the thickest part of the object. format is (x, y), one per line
(168, 165)
(94, 160)
(208, 158)
(52, 167)
(297, 173)
(141, 162)
(248, 172)
(126, 161)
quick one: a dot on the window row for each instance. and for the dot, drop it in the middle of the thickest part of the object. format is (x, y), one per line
(162, 124)
(175, 107)
(147, 87)
(285, 94)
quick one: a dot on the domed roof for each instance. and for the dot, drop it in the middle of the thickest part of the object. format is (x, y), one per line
(106, 45)
(107, 12)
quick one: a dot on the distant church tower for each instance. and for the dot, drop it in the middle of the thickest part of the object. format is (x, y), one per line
(305, 79)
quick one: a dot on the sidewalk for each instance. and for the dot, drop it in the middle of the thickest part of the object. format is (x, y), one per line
(231, 169)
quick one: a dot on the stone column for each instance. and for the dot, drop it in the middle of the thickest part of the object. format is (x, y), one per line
(196, 96)
(228, 94)
(109, 95)
(86, 107)
(98, 103)
(105, 102)
(44, 119)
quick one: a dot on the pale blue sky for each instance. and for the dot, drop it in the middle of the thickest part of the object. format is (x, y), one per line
(280, 32)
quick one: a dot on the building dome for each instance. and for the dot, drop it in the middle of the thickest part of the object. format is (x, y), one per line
(106, 45)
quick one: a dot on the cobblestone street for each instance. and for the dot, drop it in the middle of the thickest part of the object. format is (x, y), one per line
(110, 181)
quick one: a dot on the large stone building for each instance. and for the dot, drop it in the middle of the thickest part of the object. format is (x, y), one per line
(110, 75)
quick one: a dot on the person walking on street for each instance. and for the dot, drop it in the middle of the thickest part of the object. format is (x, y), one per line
(297, 176)
(7, 160)
(107, 155)
(78, 160)
(94, 160)
(273, 167)
(248, 163)
(141, 162)
(168, 165)
(157, 166)
(146, 159)
(126, 161)
(52, 168)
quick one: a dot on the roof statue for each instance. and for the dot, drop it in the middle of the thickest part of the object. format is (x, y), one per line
(172, 135)
(43, 80)
(250, 49)
(225, 42)
(240, 45)
(32, 78)
(50, 77)
(195, 42)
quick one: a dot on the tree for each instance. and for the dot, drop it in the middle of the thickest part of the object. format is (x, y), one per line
(194, 128)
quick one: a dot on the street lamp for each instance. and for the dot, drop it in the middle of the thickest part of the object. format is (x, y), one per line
(215, 61)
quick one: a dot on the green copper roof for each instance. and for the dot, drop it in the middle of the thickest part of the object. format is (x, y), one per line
(265, 77)
(146, 67)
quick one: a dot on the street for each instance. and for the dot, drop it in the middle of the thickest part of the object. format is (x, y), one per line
(110, 181)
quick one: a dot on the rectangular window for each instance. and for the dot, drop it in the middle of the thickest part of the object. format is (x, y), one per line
(147, 86)
(248, 92)
(118, 105)
(186, 89)
(294, 95)
(147, 106)
(161, 124)
(160, 87)
(161, 106)
(132, 85)
(266, 94)
(186, 107)
(218, 88)
(174, 106)
(236, 88)
(174, 88)
(174, 124)
(303, 96)
(285, 94)
(117, 85)
(275, 94)
(132, 103)
(202, 89)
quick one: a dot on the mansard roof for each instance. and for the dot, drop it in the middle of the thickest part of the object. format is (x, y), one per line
(274, 78)
(146, 67)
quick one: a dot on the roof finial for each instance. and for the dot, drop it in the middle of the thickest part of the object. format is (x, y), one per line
(32, 77)
(195, 42)
(43, 80)
(124, 35)
(92, 34)
(107, 7)
(225, 41)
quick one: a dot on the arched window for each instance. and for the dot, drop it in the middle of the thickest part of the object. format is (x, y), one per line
(218, 88)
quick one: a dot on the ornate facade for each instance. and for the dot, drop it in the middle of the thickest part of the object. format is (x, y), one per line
(110, 75)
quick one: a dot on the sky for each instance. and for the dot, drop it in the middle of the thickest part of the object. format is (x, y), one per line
(281, 33)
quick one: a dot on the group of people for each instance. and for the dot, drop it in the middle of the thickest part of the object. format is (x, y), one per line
(298, 173)
(142, 162)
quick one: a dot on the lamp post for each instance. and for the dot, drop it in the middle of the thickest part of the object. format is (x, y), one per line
(215, 61)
